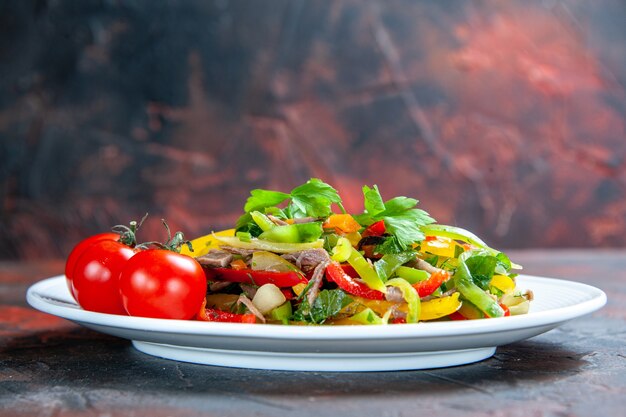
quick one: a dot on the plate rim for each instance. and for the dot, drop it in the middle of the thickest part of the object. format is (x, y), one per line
(554, 316)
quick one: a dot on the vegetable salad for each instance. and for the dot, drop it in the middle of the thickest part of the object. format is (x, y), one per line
(299, 258)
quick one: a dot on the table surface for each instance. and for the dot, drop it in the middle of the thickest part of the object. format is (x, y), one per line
(50, 366)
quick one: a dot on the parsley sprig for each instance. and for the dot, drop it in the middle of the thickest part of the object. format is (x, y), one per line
(327, 304)
(403, 221)
(311, 199)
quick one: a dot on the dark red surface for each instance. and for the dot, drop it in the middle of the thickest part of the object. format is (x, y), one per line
(506, 118)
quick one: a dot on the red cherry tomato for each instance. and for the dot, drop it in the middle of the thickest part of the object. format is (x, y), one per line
(78, 250)
(162, 284)
(96, 276)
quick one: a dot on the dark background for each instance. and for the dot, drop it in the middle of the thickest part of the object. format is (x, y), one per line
(506, 118)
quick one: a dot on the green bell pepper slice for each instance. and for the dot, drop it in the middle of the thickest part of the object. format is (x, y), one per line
(412, 275)
(388, 264)
(458, 233)
(260, 244)
(365, 271)
(262, 221)
(453, 232)
(410, 296)
(367, 316)
(282, 313)
(474, 294)
(294, 233)
(342, 250)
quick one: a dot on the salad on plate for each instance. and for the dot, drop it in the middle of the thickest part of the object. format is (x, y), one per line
(299, 258)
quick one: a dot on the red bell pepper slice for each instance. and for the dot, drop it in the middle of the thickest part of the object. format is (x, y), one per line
(347, 268)
(375, 229)
(336, 274)
(398, 320)
(287, 292)
(213, 314)
(456, 316)
(250, 276)
(427, 287)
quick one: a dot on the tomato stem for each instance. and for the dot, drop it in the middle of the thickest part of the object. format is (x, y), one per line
(172, 244)
(128, 234)
(175, 243)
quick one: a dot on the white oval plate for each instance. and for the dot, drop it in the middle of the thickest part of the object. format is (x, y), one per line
(331, 348)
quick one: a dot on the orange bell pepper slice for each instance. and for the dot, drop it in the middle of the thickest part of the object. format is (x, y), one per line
(343, 223)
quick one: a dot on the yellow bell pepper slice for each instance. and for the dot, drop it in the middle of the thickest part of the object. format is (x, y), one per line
(430, 310)
(354, 238)
(440, 246)
(440, 307)
(470, 311)
(298, 288)
(202, 245)
(502, 282)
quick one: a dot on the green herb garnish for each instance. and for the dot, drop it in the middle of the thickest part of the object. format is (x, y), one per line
(311, 199)
(327, 304)
(402, 219)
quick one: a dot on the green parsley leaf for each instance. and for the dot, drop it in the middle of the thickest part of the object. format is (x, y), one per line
(481, 265)
(260, 199)
(314, 198)
(406, 226)
(402, 219)
(390, 246)
(327, 304)
(311, 199)
(398, 205)
(504, 263)
(373, 201)
(276, 212)
(482, 269)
